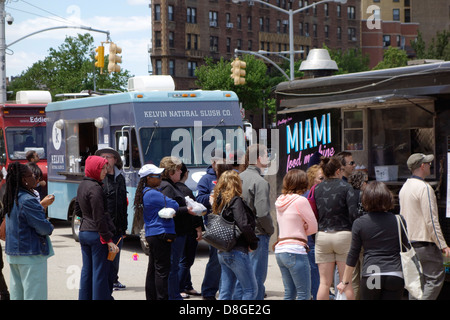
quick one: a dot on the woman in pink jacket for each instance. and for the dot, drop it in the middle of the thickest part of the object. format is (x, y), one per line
(296, 221)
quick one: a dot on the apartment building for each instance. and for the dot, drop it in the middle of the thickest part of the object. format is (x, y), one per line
(184, 32)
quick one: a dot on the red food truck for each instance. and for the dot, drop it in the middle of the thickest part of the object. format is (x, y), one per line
(22, 128)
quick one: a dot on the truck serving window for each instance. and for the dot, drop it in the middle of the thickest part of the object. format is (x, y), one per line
(20, 140)
(158, 143)
(398, 132)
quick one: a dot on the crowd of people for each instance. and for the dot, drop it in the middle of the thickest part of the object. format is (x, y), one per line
(336, 230)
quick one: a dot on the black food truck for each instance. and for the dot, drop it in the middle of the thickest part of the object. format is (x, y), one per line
(381, 117)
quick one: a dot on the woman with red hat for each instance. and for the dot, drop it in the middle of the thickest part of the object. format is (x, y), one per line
(96, 233)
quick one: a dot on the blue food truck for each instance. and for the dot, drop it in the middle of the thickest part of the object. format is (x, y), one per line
(144, 127)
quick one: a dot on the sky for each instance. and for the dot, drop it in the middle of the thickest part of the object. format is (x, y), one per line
(128, 22)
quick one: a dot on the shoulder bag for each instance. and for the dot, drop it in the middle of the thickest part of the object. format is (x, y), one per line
(412, 269)
(220, 233)
(312, 201)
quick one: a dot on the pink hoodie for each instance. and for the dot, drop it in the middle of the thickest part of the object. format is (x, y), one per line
(293, 211)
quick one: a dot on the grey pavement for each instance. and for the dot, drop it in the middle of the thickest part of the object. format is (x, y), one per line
(65, 266)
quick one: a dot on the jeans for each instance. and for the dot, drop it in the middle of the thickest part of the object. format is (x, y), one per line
(174, 281)
(236, 265)
(260, 261)
(186, 262)
(95, 280)
(315, 278)
(296, 275)
(211, 280)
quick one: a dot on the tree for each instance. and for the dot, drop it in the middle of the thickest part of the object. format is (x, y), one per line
(349, 61)
(392, 58)
(69, 69)
(216, 76)
(439, 47)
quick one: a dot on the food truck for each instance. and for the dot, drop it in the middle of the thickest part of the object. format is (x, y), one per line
(143, 126)
(381, 117)
(22, 128)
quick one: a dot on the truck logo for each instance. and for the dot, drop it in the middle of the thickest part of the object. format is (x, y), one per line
(56, 137)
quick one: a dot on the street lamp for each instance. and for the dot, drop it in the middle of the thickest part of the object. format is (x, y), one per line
(291, 13)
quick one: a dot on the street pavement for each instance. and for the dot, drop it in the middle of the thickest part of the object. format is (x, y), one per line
(65, 266)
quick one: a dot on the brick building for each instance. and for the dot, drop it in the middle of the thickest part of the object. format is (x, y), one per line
(187, 31)
(384, 24)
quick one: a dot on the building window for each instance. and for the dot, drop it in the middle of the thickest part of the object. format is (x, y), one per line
(307, 29)
(300, 28)
(228, 45)
(157, 13)
(351, 13)
(261, 24)
(239, 44)
(250, 45)
(386, 40)
(158, 67)
(192, 65)
(239, 21)
(249, 23)
(170, 10)
(213, 44)
(351, 34)
(191, 15)
(339, 33)
(326, 32)
(213, 19)
(325, 7)
(396, 14)
(171, 39)
(157, 39)
(315, 30)
(339, 10)
(172, 67)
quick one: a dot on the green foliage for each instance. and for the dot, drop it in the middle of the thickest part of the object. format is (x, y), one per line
(216, 76)
(439, 47)
(392, 58)
(349, 61)
(69, 69)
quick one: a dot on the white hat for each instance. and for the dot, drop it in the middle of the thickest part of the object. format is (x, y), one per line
(149, 169)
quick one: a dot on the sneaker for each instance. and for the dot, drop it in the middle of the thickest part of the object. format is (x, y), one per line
(118, 286)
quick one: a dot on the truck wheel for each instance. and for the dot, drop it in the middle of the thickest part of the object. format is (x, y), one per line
(76, 222)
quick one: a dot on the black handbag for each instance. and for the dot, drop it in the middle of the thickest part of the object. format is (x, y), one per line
(220, 233)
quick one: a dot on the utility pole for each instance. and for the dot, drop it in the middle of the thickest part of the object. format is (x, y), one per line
(2, 53)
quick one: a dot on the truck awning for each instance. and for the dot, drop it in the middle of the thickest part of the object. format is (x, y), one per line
(378, 101)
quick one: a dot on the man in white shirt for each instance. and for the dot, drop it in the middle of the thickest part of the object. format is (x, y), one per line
(418, 206)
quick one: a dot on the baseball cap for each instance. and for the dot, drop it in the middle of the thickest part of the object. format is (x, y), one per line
(149, 169)
(416, 160)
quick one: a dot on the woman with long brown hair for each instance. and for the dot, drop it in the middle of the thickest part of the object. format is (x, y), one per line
(236, 263)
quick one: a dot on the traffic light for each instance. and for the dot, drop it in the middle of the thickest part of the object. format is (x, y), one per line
(100, 57)
(114, 59)
(237, 72)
